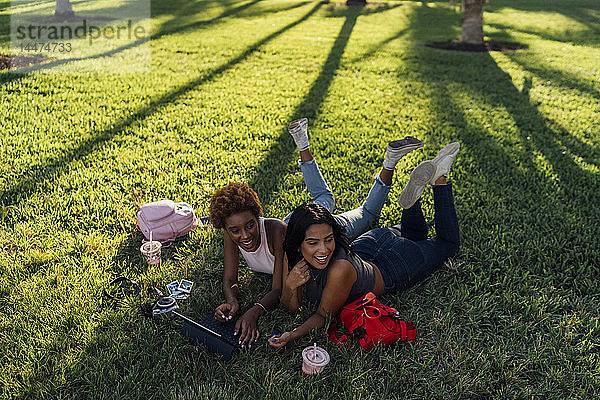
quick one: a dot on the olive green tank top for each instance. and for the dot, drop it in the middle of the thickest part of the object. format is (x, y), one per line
(365, 278)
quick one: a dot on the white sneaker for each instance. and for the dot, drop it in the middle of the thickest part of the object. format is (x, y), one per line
(396, 149)
(299, 131)
(419, 178)
(444, 159)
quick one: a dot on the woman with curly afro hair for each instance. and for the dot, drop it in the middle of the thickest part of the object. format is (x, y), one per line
(236, 209)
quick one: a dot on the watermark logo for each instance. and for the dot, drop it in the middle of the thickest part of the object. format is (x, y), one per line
(55, 36)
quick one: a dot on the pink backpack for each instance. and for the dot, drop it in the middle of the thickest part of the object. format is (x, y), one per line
(166, 219)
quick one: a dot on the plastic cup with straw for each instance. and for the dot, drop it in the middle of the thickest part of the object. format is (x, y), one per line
(314, 360)
(151, 251)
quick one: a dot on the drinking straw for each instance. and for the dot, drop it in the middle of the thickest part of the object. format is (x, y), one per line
(314, 357)
(150, 237)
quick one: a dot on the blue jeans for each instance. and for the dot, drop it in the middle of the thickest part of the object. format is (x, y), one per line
(357, 221)
(403, 253)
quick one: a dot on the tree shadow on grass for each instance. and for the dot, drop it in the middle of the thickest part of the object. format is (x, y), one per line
(164, 30)
(572, 38)
(580, 12)
(173, 26)
(269, 173)
(268, 9)
(534, 184)
(374, 49)
(5, 29)
(181, 9)
(535, 65)
(176, 8)
(41, 176)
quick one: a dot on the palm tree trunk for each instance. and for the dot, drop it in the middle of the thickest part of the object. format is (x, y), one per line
(63, 9)
(472, 21)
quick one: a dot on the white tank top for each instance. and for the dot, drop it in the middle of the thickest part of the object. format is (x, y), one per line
(260, 260)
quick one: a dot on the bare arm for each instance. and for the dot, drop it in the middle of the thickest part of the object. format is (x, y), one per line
(291, 295)
(247, 324)
(230, 280)
(275, 235)
(340, 278)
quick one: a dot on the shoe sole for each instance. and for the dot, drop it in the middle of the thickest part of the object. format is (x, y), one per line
(419, 178)
(297, 123)
(446, 151)
(449, 151)
(408, 143)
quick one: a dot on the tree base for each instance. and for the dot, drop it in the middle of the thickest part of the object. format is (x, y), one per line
(72, 18)
(66, 14)
(8, 61)
(64, 17)
(485, 47)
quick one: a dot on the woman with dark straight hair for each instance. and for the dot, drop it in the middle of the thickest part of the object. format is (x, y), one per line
(302, 218)
(384, 260)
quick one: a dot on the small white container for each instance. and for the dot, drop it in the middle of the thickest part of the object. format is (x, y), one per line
(151, 252)
(314, 360)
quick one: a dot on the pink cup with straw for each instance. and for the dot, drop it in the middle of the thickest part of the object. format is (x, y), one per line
(314, 360)
(151, 251)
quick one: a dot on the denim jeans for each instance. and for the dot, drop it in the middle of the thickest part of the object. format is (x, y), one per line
(357, 221)
(365, 217)
(403, 253)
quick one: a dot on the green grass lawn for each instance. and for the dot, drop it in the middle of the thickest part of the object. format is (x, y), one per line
(514, 315)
